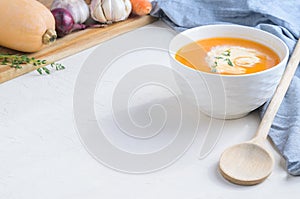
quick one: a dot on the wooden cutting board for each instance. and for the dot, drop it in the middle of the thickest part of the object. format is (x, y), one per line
(73, 43)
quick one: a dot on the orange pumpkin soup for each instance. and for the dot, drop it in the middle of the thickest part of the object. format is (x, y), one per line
(227, 56)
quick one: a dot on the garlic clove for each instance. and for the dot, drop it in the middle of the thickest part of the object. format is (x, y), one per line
(97, 11)
(118, 11)
(128, 7)
(83, 12)
(107, 10)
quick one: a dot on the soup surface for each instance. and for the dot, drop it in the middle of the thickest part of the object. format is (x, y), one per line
(227, 56)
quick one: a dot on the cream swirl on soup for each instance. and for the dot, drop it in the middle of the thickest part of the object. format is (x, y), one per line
(231, 59)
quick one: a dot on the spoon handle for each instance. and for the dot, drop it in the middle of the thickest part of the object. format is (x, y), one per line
(279, 94)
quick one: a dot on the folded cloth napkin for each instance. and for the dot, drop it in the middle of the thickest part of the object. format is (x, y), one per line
(281, 18)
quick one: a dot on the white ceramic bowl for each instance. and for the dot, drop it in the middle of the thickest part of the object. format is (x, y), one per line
(229, 96)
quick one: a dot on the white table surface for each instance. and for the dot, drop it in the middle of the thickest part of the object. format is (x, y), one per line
(42, 157)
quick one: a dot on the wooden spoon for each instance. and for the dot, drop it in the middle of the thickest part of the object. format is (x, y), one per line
(250, 163)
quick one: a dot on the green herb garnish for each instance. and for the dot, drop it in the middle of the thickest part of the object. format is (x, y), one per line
(16, 61)
(214, 67)
(57, 66)
(226, 53)
(229, 62)
(40, 70)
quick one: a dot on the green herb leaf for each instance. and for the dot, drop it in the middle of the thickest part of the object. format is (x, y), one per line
(229, 62)
(47, 71)
(57, 66)
(226, 53)
(39, 70)
(214, 67)
(218, 57)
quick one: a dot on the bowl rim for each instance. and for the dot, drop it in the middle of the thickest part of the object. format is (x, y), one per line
(186, 32)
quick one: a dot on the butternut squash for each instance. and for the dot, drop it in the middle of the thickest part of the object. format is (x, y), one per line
(26, 25)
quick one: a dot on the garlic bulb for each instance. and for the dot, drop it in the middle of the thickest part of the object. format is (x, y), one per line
(78, 9)
(108, 11)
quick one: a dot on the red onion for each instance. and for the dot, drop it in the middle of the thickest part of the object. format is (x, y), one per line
(64, 22)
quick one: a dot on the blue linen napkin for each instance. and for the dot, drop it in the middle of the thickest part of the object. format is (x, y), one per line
(281, 18)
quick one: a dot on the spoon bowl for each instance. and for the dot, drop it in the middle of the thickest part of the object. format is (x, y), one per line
(246, 163)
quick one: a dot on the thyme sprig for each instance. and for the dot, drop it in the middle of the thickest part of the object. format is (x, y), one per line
(16, 61)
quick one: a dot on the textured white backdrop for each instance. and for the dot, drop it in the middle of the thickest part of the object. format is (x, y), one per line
(41, 156)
